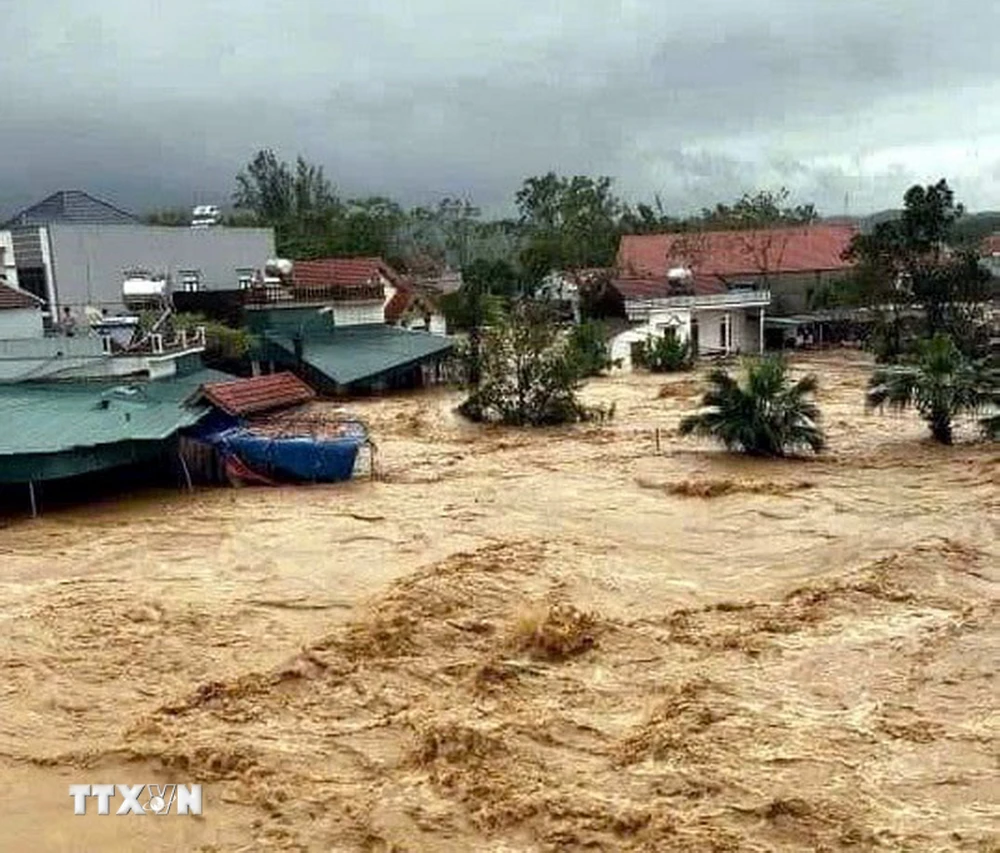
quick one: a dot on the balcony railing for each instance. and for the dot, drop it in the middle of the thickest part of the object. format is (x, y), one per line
(730, 299)
(319, 293)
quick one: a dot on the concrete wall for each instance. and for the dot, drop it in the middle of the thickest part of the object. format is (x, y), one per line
(88, 260)
(49, 357)
(659, 322)
(19, 323)
(357, 313)
(8, 269)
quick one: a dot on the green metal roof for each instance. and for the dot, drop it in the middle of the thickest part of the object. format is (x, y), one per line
(352, 354)
(56, 417)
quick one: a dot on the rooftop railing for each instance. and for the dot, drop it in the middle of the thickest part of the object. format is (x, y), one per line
(315, 293)
(731, 298)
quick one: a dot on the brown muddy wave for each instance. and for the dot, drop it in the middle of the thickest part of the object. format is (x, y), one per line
(525, 641)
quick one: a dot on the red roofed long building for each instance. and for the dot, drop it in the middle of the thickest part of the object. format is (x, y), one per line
(790, 262)
(714, 289)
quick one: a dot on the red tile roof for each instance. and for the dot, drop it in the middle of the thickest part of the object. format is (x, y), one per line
(12, 298)
(729, 253)
(259, 394)
(658, 288)
(990, 245)
(340, 272)
(406, 297)
(401, 300)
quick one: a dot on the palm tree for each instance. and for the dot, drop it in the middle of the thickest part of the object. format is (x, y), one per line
(941, 385)
(766, 416)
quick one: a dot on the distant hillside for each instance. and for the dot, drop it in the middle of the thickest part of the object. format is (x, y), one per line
(970, 229)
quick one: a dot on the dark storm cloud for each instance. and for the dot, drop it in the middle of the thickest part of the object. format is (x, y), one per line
(157, 103)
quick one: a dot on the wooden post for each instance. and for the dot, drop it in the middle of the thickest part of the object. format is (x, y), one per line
(657, 439)
(31, 494)
(187, 473)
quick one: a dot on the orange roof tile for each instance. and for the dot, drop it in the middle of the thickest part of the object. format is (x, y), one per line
(729, 253)
(259, 394)
(12, 298)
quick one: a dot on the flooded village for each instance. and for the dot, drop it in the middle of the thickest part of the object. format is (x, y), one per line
(278, 528)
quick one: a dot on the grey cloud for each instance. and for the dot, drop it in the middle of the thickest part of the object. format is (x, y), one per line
(161, 103)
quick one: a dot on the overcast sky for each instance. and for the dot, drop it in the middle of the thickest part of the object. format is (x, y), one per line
(843, 101)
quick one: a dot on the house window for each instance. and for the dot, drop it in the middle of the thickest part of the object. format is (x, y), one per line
(244, 278)
(722, 333)
(190, 281)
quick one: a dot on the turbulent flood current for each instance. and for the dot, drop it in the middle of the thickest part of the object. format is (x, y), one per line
(603, 637)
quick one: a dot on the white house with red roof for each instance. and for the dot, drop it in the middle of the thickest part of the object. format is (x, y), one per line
(716, 288)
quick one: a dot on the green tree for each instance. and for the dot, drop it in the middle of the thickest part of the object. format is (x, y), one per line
(529, 377)
(767, 415)
(941, 384)
(588, 348)
(487, 288)
(907, 265)
(298, 203)
(569, 223)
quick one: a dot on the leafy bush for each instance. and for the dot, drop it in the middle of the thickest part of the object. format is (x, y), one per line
(528, 376)
(222, 342)
(766, 416)
(666, 354)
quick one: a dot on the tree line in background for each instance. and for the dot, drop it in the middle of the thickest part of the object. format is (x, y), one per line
(561, 223)
(915, 271)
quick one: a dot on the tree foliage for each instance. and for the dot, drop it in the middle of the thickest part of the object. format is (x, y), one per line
(588, 348)
(569, 223)
(222, 342)
(529, 376)
(767, 415)
(907, 264)
(763, 209)
(666, 354)
(942, 383)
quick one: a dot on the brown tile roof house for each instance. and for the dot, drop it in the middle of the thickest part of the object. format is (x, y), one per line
(727, 254)
(362, 275)
(11, 298)
(407, 298)
(243, 397)
(990, 246)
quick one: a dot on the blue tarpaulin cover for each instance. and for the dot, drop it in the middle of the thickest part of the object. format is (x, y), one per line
(297, 458)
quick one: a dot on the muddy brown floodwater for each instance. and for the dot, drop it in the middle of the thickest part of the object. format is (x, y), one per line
(525, 641)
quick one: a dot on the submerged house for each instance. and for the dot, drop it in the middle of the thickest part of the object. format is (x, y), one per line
(716, 289)
(326, 321)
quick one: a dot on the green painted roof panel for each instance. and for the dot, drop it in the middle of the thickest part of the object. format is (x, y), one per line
(352, 354)
(57, 417)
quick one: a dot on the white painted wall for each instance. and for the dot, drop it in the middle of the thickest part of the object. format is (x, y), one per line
(658, 321)
(744, 336)
(358, 313)
(20, 323)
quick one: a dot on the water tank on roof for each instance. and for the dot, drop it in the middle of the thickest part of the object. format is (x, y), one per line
(279, 267)
(679, 274)
(143, 287)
